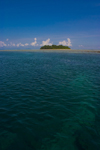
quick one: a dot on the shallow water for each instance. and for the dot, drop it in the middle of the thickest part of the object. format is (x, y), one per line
(49, 101)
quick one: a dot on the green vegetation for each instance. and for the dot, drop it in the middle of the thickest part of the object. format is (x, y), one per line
(54, 47)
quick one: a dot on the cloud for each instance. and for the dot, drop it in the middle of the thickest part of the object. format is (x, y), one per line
(34, 43)
(26, 44)
(2, 44)
(7, 39)
(47, 42)
(20, 44)
(81, 46)
(11, 44)
(66, 43)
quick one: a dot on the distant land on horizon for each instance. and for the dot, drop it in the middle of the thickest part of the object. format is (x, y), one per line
(55, 47)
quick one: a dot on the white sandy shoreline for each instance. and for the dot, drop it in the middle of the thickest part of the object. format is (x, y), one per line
(54, 50)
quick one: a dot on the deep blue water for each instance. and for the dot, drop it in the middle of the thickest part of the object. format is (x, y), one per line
(49, 101)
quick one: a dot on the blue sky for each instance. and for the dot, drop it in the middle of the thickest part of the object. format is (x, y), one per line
(29, 24)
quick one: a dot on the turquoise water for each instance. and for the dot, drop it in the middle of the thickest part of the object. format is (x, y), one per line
(49, 101)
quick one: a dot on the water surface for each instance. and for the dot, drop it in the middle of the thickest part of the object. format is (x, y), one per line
(49, 101)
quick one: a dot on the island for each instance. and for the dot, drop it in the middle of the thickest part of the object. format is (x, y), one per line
(54, 47)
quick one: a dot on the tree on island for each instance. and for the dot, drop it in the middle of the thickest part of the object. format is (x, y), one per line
(54, 47)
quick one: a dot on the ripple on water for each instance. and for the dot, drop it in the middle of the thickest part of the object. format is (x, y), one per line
(49, 101)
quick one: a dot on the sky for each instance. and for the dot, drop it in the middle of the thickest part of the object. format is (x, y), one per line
(30, 24)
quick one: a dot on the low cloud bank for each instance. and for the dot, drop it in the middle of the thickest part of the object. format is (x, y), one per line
(2, 44)
(66, 43)
(34, 43)
(47, 42)
(26, 44)
(20, 44)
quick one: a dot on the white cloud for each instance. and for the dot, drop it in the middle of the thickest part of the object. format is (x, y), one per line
(26, 44)
(7, 39)
(2, 44)
(20, 44)
(63, 43)
(11, 44)
(47, 42)
(66, 43)
(34, 43)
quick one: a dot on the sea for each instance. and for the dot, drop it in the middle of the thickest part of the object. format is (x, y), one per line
(49, 101)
